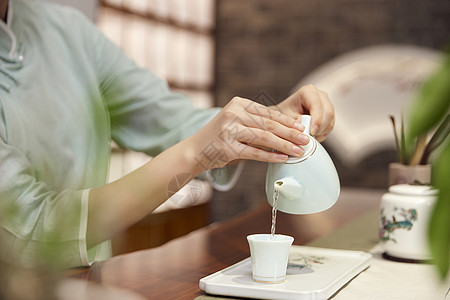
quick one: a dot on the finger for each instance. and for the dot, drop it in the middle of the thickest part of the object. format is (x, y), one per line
(259, 116)
(293, 135)
(311, 102)
(254, 153)
(324, 134)
(259, 112)
(316, 112)
(321, 110)
(268, 140)
(327, 122)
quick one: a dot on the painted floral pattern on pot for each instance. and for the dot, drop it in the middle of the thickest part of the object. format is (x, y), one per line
(402, 219)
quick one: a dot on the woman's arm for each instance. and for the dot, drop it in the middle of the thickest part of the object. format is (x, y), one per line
(242, 130)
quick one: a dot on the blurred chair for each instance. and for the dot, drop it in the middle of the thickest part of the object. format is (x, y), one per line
(366, 86)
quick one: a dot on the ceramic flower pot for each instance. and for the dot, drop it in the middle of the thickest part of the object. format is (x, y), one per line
(406, 174)
(404, 217)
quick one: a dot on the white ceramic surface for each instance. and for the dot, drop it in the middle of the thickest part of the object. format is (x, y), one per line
(307, 184)
(269, 256)
(404, 217)
(313, 273)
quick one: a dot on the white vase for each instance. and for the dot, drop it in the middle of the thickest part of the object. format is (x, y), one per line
(404, 218)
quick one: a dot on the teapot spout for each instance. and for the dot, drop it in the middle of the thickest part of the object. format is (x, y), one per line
(289, 188)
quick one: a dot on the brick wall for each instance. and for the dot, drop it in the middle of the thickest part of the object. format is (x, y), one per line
(269, 45)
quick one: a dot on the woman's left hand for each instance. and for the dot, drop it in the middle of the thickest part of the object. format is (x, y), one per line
(312, 101)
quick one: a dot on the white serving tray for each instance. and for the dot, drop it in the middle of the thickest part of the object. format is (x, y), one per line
(313, 273)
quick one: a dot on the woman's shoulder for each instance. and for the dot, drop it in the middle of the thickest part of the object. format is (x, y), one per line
(46, 11)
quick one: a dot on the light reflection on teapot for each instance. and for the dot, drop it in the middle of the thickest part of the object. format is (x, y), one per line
(306, 184)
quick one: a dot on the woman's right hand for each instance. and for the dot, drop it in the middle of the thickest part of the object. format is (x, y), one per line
(247, 130)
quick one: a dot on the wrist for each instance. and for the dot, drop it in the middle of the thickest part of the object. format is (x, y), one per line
(207, 154)
(196, 155)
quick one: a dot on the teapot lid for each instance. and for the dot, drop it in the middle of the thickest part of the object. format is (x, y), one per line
(309, 150)
(409, 189)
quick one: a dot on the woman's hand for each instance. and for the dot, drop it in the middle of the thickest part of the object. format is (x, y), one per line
(310, 100)
(242, 130)
(248, 130)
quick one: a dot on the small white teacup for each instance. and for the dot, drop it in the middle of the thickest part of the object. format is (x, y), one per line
(269, 255)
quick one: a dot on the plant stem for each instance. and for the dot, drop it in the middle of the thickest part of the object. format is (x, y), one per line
(397, 144)
(404, 152)
(419, 150)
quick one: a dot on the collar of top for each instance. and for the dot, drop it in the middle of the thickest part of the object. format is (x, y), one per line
(11, 51)
(9, 47)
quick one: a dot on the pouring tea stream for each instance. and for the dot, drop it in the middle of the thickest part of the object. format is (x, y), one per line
(306, 184)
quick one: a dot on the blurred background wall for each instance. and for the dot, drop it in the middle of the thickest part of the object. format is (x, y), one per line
(268, 46)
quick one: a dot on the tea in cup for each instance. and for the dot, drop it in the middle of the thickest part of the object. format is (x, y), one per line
(269, 255)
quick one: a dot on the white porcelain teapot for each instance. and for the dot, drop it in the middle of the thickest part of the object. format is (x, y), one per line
(306, 184)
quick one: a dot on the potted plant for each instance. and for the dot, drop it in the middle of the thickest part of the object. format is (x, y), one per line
(430, 108)
(414, 166)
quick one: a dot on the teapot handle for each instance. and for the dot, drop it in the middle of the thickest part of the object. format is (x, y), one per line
(306, 121)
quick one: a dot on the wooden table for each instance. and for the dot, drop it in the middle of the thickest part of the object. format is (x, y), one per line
(173, 270)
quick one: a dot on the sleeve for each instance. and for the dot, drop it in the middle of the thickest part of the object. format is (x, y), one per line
(38, 224)
(145, 114)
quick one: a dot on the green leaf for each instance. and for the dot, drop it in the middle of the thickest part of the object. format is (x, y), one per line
(432, 102)
(437, 139)
(439, 228)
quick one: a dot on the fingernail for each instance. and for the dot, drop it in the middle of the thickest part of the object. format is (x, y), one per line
(298, 150)
(313, 130)
(281, 157)
(299, 126)
(303, 139)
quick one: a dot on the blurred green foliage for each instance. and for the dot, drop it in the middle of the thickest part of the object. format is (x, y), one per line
(431, 107)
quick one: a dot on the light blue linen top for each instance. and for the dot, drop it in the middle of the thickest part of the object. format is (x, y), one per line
(65, 92)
